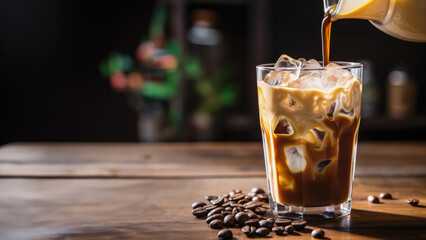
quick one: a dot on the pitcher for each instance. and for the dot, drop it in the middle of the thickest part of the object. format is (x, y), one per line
(403, 19)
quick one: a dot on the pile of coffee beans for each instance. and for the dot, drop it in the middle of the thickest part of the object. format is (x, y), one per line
(245, 211)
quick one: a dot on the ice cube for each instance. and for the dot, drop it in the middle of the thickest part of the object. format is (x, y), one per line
(322, 165)
(279, 78)
(286, 61)
(294, 159)
(334, 76)
(283, 127)
(320, 136)
(312, 63)
(310, 81)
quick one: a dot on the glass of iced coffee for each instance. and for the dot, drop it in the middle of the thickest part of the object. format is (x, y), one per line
(309, 117)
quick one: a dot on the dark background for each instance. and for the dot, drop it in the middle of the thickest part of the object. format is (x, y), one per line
(51, 88)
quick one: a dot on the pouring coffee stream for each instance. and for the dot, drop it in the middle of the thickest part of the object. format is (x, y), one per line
(402, 19)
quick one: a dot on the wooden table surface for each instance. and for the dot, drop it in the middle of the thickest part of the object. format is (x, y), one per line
(145, 191)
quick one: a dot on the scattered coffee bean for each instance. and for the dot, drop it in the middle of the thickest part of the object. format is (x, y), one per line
(226, 213)
(225, 234)
(231, 193)
(228, 204)
(199, 212)
(214, 217)
(255, 199)
(260, 211)
(373, 199)
(279, 230)
(251, 205)
(266, 224)
(260, 217)
(218, 202)
(413, 201)
(289, 229)
(317, 233)
(236, 205)
(236, 210)
(248, 198)
(283, 222)
(247, 230)
(209, 207)
(237, 191)
(225, 200)
(248, 211)
(263, 197)
(243, 201)
(209, 198)
(229, 220)
(217, 210)
(251, 194)
(236, 197)
(216, 224)
(299, 224)
(252, 222)
(262, 232)
(198, 204)
(270, 220)
(225, 195)
(228, 209)
(241, 218)
(257, 190)
(385, 196)
(252, 215)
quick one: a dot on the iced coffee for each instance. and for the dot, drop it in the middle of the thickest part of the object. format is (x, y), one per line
(309, 117)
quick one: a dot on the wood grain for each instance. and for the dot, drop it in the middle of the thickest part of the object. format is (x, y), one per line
(185, 160)
(160, 209)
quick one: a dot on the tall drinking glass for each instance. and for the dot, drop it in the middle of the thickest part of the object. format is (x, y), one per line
(310, 136)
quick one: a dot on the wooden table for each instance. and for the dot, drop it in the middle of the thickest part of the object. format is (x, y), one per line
(145, 191)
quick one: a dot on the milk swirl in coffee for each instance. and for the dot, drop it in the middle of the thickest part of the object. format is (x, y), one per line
(309, 118)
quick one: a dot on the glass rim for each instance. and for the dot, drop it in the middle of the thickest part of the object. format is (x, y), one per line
(343, 65)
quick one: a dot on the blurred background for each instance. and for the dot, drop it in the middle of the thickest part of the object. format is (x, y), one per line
(183, 70)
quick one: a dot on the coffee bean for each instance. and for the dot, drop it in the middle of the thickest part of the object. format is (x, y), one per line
(299, 224)
(229, 220)
(231, 193)
(225, 213)
(241, 218)
(228, 209)
(257, 190)
(247, 230)
(243, 201)
(209, 198)
(262, 232)
(218, 202)
(289, 229)
(255, 198)
(225, 234)
(199, 212)
(237, 191)
(225, 200)
(236, 210)
(373, 199)
(283, 222)
(225, 195)
(263, 197)
(217, 210)
(236, 197)
(248, 198)
(236, 205)
(385, 196)
(227, 204)
(209, 207)
(260, 217)
(253, 215)
(266, 224)
(214, 217)
(252, 222)
(216, 224)
(251, 205)
(198, 204)
(251, 194)
(260, 211)
(248, 211)
(270, 220)
(413, 201)
(279, 230)
(317, 233)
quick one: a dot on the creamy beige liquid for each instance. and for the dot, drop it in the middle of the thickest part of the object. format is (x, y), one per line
(312, 114)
